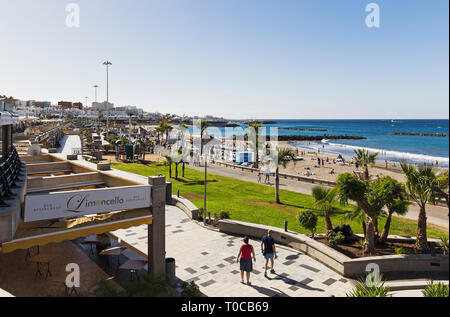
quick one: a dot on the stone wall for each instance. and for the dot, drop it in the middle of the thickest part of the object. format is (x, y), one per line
(336, 260)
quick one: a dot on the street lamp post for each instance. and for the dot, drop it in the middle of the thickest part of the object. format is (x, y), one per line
(204, 193)
(95, 86)
(85, 105)
(107, 63)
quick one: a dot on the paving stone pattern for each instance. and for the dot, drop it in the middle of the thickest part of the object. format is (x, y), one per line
(208, 257)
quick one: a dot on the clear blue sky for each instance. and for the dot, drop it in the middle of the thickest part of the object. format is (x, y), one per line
(233, 58)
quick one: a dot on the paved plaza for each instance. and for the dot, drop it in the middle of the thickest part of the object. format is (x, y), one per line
(208, 257)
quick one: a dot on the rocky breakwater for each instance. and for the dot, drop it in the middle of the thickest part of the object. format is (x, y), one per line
(318, 137)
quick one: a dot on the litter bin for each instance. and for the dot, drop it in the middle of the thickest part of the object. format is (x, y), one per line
(170, 271)
(168, 193)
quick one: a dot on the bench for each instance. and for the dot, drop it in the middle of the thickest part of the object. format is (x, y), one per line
(64, 186)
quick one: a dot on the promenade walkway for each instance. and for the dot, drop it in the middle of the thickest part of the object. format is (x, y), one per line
(208, 257)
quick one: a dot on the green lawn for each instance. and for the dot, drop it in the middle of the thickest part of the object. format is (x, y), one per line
(251, 202)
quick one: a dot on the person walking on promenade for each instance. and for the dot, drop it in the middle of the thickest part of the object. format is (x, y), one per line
(244, 257)
(267, 175)
(268, 250)
(259, 176)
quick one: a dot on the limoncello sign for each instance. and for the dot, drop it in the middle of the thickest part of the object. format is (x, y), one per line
(85, 202)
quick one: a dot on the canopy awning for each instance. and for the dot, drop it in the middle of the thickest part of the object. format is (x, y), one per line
(7, 118)
(45, 232)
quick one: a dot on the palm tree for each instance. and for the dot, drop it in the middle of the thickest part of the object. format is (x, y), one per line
(365, 159)
(357, 214)
(159, 131)
(284, 156)
(178, 160)
(168, 128)
(169, 162)
(393, 195)
(420, 184)
(164, 127)
(441, 187)
(324, 198)
(398, 206)
(254, 129)
(350, 187)
(203, 126)
(145, 144)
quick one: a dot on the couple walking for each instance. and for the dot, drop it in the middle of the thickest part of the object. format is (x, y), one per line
(246, 253)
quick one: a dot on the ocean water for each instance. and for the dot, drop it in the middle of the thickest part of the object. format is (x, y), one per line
(392, 148)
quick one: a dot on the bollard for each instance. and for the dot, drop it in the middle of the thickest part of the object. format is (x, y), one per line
(178, 193)
(285, 226)
(170, 271)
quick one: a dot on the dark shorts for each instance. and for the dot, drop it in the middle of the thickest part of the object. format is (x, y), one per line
(246, 265)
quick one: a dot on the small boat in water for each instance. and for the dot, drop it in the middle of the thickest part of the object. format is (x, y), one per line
(325, 141)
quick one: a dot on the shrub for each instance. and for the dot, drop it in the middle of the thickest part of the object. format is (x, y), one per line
(371, 287)
(190, 290)
(362, 242)
(346, 230)
(308, 220)
(403, 250)
(335, 238)
(436, 290)
(224, 215)
(443, 244)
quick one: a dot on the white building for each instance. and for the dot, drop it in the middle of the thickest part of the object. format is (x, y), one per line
(102, 106)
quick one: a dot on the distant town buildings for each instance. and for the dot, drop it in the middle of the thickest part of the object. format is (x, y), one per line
(34, 108)
(102, 106)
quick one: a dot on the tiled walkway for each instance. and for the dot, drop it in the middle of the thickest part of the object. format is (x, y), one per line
(209, 258)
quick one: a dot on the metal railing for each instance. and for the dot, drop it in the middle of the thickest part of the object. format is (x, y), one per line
(11, 168)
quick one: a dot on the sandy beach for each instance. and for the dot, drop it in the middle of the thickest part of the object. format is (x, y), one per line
(309, 166)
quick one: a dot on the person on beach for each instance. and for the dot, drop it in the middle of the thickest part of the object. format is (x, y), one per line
(244, 257)
(269, 251)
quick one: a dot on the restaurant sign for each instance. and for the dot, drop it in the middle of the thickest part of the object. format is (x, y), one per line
(77, 203)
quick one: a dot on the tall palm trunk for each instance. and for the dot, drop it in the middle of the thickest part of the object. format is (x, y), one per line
(363, 224)
(422, 242)
(385, 232)
(256, 165)
(366, 173)
(176, 171)
(277, 187)
(328, 225)
(369, 247)
(182, 170)
(170, 170)
(375, 225)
